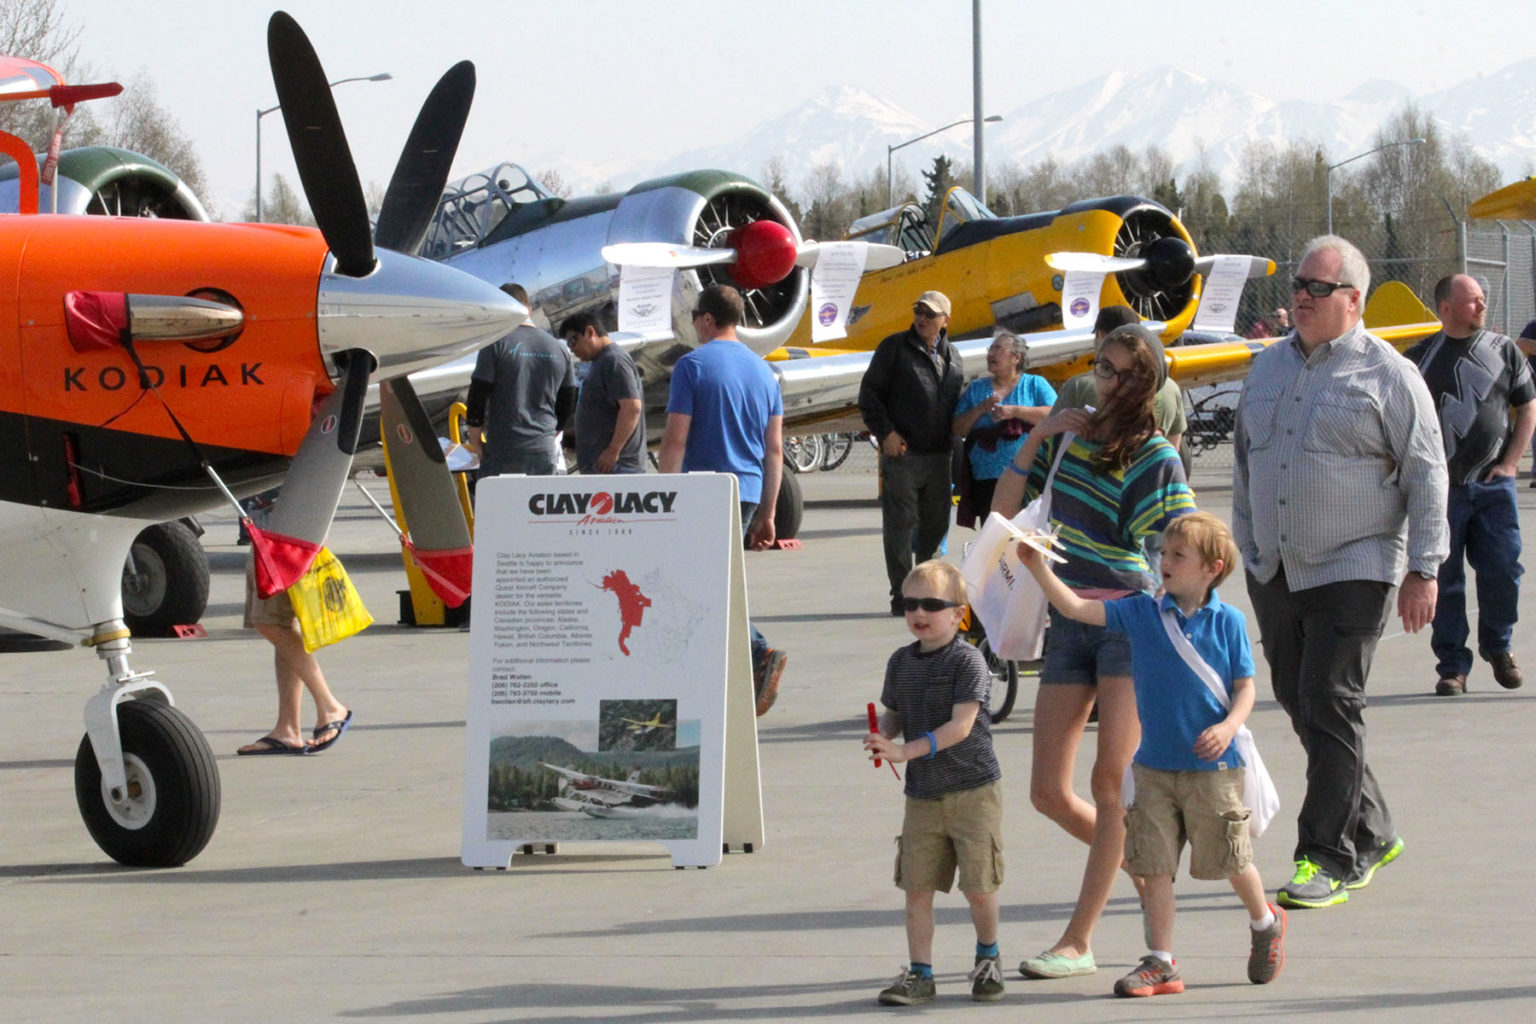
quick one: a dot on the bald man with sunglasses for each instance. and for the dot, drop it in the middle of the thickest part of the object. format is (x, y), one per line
(1339, 494)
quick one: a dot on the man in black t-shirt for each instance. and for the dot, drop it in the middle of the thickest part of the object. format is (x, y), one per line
(1476, 378)
(610, 424)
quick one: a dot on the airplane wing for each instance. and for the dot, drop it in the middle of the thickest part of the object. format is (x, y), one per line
(1393, 313)
(824, 389)
(1512, 202)
(821, 386)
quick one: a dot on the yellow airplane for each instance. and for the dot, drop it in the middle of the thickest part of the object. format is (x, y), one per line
(655, 722)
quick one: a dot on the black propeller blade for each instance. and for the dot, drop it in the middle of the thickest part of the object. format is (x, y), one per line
(417, 184)
(320, 146)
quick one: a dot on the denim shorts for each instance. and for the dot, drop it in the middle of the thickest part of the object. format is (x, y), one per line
(1079, 654)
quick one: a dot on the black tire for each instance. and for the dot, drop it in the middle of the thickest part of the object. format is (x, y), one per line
(790, 508)
(165, 580)
(173, 805)
(835, 449)
(1005, 682)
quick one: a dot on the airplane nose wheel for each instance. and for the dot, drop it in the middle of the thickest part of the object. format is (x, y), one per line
(135, 807)
(167, 811)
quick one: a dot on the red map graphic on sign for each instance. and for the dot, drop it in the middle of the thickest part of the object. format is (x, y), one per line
(632, 603)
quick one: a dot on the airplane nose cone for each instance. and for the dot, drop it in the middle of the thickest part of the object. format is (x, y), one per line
(410, 314)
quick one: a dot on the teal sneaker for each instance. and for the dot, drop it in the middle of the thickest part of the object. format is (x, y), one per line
(1054, 965)
(1311, 887)
(1366, 863)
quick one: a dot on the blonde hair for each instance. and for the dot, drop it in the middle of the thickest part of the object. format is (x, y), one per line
(944, 578)
(1210, 537)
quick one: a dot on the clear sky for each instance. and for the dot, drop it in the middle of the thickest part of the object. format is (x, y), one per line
(577, 79)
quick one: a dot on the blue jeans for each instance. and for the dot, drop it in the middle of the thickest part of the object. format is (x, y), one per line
(1485, 528)
(760, 646)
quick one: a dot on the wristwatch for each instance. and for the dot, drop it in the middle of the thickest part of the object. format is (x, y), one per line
(1422, 574)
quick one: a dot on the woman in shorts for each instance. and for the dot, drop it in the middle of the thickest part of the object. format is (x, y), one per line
(1118, 484)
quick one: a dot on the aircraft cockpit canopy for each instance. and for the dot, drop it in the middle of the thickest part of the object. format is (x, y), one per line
(906, 226)
(960, 207)
(472, 207)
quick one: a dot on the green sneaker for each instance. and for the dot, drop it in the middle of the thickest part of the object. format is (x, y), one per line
(987, 979)
(908, 988)
(1366, 863)
(1311, 887)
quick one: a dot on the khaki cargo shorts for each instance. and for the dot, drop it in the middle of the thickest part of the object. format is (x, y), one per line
(959, 831)
(276, 610)
(1204, 808)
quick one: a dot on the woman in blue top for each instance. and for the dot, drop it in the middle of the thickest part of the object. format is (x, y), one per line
(994, 414)
(1119, 483)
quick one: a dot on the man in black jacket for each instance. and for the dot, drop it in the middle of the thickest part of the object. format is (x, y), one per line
(908, 398)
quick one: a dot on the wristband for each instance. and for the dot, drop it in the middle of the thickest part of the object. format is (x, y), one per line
(1013, 467)
(933, 746)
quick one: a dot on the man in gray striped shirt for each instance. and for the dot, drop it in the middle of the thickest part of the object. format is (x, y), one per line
(1339, 493)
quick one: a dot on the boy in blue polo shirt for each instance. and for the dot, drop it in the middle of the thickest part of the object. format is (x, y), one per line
(1188, 774)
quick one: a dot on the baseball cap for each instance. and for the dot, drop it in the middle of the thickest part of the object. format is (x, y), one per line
(936, 301)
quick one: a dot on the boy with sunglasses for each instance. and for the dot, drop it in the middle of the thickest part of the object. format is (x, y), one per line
(935, 694)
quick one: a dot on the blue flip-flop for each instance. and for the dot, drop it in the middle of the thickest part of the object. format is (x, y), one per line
(272, 745)
(340, 725)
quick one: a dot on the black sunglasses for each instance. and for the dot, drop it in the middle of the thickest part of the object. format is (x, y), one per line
(923, 312)
(927, 604)
(1317, 289)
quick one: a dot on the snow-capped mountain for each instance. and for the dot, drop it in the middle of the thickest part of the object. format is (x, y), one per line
(1189, 117)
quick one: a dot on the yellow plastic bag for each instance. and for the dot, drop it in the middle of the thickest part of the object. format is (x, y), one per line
(327, 605)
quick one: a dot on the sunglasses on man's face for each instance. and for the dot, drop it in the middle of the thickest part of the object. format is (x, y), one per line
(1315, 288)
(923, 313)
(927, 604)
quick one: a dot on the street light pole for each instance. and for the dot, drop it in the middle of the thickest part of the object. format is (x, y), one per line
(382, 76)
(1328, 176)
(890, 194)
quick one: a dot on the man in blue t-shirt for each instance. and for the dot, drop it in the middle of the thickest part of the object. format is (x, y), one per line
(725, 415)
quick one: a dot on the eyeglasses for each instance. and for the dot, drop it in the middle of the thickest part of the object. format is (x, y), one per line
(1105, 370)
(924, 313)
(927, 604)
(1315, 288)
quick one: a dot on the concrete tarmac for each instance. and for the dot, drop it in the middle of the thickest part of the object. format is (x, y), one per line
(332, 889)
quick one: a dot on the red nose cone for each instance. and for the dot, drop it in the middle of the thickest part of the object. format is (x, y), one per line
(765, 253)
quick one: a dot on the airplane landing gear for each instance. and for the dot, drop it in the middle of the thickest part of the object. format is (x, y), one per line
(145, 781)
(166, 811)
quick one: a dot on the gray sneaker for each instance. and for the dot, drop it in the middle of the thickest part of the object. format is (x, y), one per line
(1368, 861)
(1267, 954)
(908, 988)
(1154, 976)
(987, 979)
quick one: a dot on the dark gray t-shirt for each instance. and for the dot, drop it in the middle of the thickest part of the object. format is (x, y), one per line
(1473, 381)
(526, 370)
(610, 377)
(923, 687)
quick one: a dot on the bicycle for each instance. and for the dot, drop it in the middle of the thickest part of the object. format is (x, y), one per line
(1005, 673)
(803, 453)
